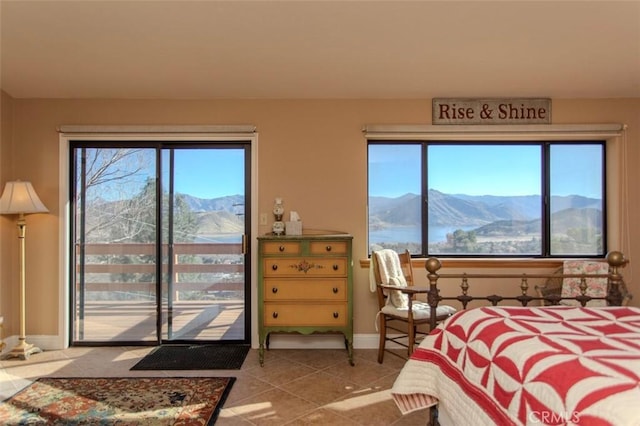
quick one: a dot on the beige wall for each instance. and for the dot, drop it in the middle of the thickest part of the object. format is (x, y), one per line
(310, 152)
(8, 231)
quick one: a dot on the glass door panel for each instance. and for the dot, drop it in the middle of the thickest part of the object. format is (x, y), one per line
(185, 280)
(203, 292)
(115, 245)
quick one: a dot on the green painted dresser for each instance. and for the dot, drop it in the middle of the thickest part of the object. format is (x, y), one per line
(305, 285)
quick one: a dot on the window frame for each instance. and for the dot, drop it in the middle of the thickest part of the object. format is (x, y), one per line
(177, 133)
(609, 135)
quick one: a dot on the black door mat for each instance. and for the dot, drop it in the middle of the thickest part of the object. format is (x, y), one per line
(194, 357)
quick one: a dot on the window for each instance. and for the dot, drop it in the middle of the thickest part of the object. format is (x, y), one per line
(461, 198)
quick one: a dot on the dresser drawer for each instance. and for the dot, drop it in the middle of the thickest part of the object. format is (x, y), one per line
(317, 314)
(327, 289)
(282, 247)
(303, 267)
(328, 247)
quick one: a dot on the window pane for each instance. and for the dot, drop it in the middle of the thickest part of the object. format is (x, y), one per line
(576, 199)
(394, 197)
(484, 199)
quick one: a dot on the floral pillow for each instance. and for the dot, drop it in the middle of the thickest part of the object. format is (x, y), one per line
(596, 287)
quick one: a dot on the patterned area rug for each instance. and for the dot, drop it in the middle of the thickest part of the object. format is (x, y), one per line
(121, 401)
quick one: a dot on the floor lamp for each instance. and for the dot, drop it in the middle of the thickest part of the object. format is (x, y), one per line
(20, 198)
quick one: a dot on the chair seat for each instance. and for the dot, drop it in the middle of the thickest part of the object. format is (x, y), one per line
(421, 311)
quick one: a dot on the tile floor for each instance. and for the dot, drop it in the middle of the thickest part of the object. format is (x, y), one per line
(294, 387)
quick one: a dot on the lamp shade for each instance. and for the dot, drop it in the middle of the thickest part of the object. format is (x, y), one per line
(20, 197)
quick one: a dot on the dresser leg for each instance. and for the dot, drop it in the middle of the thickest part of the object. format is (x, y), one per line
(349, 344)
(263, 340)
(261, 355)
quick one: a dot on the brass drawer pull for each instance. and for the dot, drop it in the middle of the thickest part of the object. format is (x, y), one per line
(336, 267)
(336, 315)
(274, 290)
(274, 267)
(335, 290)
(281, 248)
(328, 248)
(275, 315)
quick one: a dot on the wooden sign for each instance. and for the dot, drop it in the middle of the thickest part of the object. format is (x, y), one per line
(491, 111)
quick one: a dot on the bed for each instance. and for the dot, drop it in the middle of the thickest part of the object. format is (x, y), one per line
(527, 365)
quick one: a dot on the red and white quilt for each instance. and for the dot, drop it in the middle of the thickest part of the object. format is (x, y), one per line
(529, 366)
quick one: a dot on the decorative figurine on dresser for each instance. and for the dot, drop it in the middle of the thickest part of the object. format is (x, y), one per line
(278, 212)
(305, 285)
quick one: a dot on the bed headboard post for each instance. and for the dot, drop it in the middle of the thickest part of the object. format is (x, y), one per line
(616, 260)
(432, 265)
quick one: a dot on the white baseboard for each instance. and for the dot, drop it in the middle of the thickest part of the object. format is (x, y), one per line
(276, 341)
(333, 341)
(48, 343)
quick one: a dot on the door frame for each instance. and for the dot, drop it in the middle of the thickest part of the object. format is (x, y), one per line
(177, 134)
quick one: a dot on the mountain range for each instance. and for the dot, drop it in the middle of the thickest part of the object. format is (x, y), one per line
(470, 210)
(490, 213)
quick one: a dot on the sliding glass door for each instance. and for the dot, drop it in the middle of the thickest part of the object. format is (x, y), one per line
(159, 242)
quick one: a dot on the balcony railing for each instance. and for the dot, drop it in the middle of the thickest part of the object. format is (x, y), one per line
(122, 268)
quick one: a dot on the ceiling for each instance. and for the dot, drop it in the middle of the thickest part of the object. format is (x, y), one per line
(353, 49)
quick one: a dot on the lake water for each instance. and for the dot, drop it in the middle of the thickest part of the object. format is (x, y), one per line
(400, 234)
(411, 234)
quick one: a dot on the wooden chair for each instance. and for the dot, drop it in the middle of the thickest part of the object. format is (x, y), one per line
(393, 316)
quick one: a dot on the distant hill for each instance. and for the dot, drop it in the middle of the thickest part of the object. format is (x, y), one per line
(220, 221)
(218, 215)
(231, 203)
(588, 218)
(404, 210)
(562, 221)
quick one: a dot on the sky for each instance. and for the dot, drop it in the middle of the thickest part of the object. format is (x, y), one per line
(394, 170)
(210, 173)
(475, 170)
(202, 173)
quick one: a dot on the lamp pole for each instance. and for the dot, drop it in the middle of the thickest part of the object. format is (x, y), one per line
(22, 350)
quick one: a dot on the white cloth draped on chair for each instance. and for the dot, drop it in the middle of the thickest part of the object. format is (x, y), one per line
(391, 273)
